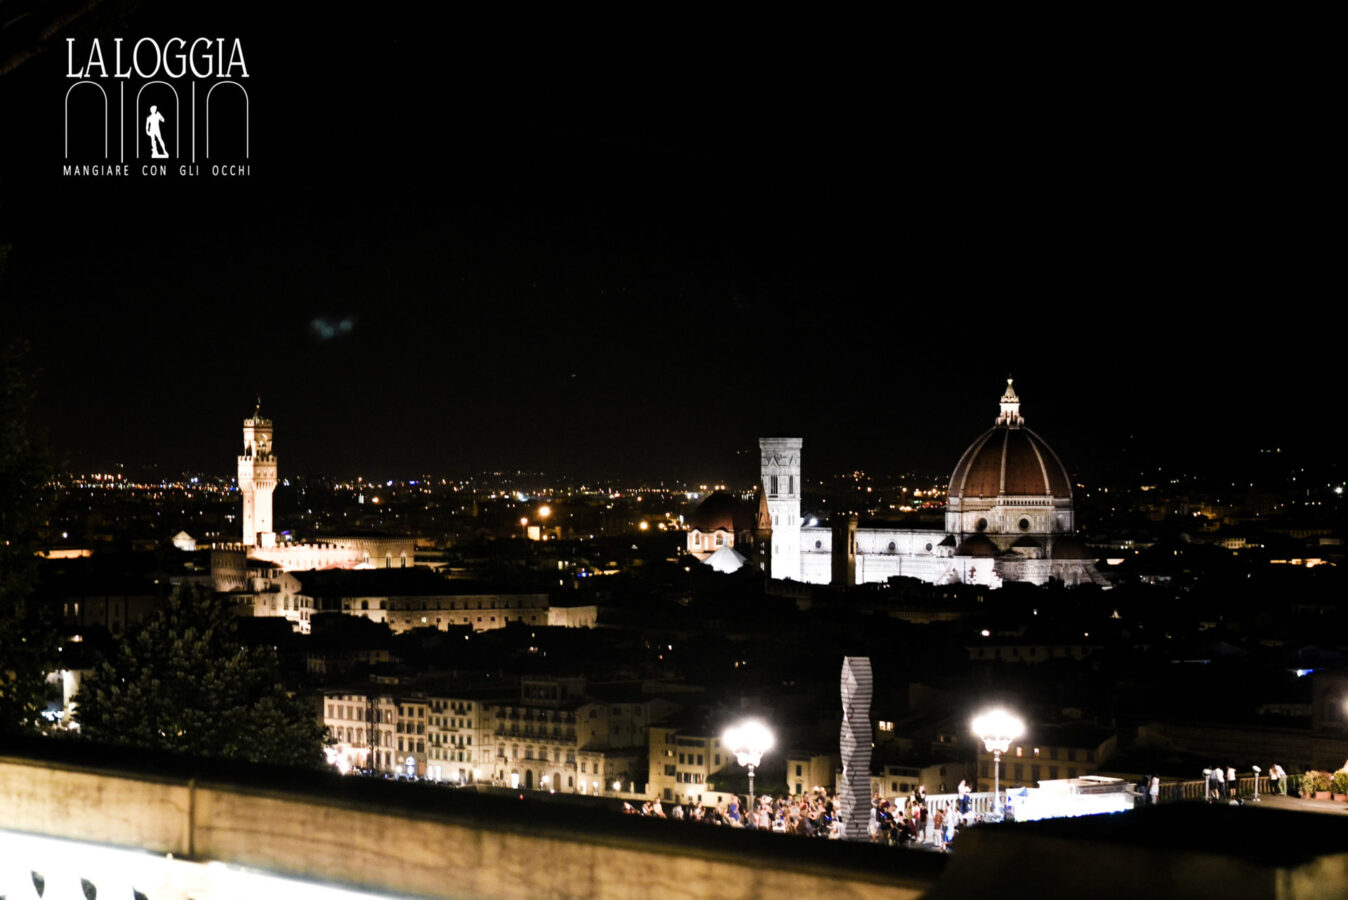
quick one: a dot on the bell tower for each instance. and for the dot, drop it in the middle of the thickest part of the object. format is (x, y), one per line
(779, 466)
(257, 479)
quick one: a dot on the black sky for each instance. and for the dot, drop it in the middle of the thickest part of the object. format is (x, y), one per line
(630, 249)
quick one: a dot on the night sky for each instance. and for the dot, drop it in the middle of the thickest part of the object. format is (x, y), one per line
(629, 247)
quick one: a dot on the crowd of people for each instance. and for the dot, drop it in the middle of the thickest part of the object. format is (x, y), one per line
(909, 822)
(902, 821)
(808, 815)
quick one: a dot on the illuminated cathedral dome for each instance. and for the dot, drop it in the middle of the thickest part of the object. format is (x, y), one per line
(1009, 482)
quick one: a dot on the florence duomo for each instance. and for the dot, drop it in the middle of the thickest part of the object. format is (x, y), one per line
(1009, 518)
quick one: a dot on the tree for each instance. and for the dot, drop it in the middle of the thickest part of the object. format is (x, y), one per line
(181, 681)
(27, 642)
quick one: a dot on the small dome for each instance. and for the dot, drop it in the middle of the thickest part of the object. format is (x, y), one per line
(722, 511)
(1027, 542)
(977, 545)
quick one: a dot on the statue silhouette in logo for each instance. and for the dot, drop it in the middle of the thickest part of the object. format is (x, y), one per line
(152, 122)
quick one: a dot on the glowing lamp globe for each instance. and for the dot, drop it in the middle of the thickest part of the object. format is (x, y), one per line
(748, 740)
(997, 728)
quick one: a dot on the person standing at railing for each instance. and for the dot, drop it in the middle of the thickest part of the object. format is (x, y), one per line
(1154, 790)
(1277, 779)
(1231, 782)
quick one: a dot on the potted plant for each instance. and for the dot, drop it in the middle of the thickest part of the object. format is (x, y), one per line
(1315, 784)
(1338, 783)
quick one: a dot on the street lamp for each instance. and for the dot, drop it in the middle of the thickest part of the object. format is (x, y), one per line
(748, 740)
(997, 728)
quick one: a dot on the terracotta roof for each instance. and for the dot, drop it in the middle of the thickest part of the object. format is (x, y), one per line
(722, 511)
(1009, 461)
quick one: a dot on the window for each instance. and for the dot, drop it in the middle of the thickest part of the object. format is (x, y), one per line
(773, 489)
(798, 768)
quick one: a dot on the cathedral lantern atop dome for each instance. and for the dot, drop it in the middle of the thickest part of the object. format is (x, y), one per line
(1010, 415)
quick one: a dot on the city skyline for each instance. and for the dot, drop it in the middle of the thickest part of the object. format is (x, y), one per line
(555, 267)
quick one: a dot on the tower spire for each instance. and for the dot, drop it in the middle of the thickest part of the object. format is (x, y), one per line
(1010, 414)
